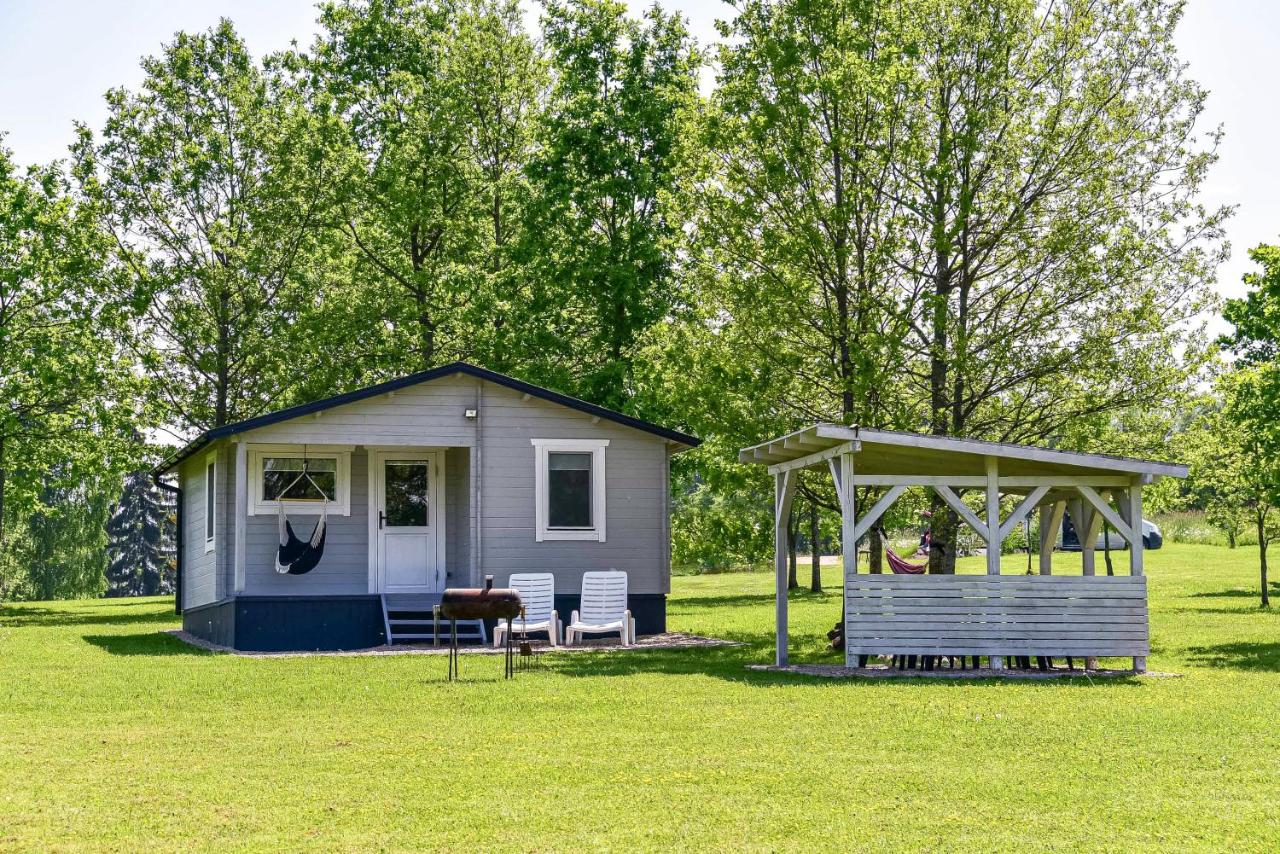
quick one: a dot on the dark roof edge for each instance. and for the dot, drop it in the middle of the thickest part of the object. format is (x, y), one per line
(204, 439)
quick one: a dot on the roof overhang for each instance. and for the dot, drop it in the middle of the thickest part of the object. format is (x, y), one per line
(931, 458)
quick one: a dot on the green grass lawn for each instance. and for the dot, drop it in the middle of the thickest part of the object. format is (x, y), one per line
(113, 736)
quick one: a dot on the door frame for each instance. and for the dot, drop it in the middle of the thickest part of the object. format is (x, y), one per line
(377, 456)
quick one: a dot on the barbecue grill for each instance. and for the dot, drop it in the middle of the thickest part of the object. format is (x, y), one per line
(482, 603)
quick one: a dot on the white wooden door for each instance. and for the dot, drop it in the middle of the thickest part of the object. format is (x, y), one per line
(409, 515)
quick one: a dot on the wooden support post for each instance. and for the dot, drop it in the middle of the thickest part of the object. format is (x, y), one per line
(783, 492)
(1088, 523)
(848, 518)
(1050, 525)
(1134, 506)
(993, 533)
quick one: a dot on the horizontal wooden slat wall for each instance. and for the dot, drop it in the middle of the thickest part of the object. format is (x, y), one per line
(1025, 615)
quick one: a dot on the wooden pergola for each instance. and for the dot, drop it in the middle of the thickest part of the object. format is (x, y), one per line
(989, 615)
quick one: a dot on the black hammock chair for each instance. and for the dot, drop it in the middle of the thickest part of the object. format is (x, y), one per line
(295, 556)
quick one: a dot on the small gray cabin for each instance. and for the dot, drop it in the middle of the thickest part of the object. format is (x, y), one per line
(428, 481)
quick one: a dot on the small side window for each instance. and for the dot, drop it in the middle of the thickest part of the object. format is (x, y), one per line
(210, 501)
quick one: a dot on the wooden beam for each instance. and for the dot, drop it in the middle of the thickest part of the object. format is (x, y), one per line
(958, 481)
(993, 516)
(848, 517)
(994, 539)
(784, 491)
(833, 464)
(1136, 548)
(1020, 512)
(816, 458)
(1108, 512)
(762, 456)
(804, 442)
(1050, 525)
(877, 510)
(953, 501)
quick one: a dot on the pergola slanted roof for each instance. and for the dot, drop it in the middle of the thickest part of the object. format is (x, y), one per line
(900, 453)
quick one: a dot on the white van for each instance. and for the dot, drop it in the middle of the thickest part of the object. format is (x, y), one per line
(1069, 542)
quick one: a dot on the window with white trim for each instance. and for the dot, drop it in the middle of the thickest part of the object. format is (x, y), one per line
(210, 500)
(302, 479)
(569, 489)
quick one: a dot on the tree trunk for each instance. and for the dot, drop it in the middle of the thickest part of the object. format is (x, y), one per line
(2, 487)
(1231, 539)
(1262, 557)
(1106, 548)
(815, 562)
(944, 525)
(874, 558)
(792, 581)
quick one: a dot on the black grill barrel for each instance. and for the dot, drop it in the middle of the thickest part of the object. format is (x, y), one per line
(487, 603)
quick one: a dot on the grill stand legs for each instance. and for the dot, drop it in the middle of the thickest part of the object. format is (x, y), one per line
(509, 657)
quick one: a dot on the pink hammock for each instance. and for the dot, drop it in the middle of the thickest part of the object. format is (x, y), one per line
(903, 567)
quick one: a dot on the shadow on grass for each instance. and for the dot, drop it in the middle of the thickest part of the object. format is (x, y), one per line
(1237, 656)
(16, 616)
(730, 663)
(1237, 593)
(149, 643)
(1224, 610)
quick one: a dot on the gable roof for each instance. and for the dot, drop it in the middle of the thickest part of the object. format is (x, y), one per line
(205, 438)
(902, 452)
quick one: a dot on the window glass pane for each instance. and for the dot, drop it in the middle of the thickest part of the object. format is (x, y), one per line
(209, 492)
(281, 478)
(408, 494)
(568, 490)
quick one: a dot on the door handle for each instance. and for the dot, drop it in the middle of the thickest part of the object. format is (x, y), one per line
(382, 518)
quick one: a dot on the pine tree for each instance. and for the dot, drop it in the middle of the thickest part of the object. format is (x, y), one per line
(140, 540)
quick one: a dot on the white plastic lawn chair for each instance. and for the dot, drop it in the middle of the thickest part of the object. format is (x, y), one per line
(538, 595)
(603, 608)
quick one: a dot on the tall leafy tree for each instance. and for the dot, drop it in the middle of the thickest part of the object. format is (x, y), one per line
(212, 199)
(66, 387)
(1253, 397)
(66, 554)
(140, 540)
(435, 100)
(600, 241)
(797, 213)
(797, 209)
(1057, 248)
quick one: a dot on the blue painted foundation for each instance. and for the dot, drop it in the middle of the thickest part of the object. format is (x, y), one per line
(311, 623)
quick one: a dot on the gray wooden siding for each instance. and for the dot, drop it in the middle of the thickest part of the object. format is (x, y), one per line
(433, 415)
(203, 581)
(635, 490)
(429, 414)
(457, 526)
(345, 566)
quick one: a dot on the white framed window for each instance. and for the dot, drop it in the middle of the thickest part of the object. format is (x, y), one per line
(210, 500)
(569, 489)
(301, 478)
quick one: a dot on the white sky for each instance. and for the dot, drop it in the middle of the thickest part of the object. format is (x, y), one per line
(58, 57)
